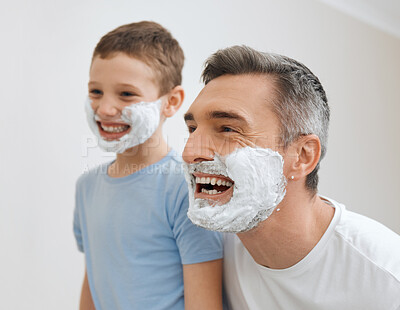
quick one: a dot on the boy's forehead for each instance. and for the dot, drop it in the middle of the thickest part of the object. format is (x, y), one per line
(121, 68)
(121, 63)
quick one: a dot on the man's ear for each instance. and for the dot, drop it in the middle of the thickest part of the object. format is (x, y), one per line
(308, 151)
(174, 102)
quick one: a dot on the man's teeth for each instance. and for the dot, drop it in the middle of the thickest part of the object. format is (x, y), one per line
(114, 129)
(213, 181)
(210, 192)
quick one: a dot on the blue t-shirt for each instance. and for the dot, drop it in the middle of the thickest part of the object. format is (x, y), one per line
(136, 235)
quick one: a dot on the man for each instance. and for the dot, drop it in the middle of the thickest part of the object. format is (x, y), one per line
(258, 131)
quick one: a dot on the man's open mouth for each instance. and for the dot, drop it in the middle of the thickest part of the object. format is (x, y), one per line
(211, 186)
(112, 131)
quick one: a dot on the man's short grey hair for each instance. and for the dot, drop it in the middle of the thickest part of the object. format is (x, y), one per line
(300, 101)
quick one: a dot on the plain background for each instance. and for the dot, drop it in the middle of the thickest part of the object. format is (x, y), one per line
(45, 54)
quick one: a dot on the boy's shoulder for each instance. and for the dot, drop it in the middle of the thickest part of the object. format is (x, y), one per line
(174, 162)
(172, 170)
(90, 175)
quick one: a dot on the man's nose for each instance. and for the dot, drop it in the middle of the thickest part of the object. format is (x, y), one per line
(198, 148)
(106, 107)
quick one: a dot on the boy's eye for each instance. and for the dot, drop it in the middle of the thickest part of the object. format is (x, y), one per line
(95, 92)
(127, 94)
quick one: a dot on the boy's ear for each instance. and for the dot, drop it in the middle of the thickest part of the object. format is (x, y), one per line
(307, 150)
(175, 100)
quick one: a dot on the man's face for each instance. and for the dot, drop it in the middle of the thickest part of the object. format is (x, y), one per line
(116, 83)
(231, 112)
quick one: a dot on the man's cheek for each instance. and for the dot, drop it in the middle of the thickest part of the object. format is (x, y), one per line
(271, 142)
(223, 146)
(240, 142)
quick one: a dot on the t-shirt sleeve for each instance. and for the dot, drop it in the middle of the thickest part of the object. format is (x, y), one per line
(77, 221)
(195, 244)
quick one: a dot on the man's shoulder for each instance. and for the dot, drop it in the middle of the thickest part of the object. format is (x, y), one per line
(372, 241)
(361, 230)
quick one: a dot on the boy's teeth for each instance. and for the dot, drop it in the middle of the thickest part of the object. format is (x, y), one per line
(210, 192)
(114, 129)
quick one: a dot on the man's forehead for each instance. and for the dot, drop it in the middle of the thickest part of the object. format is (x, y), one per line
(233, 97)
(224, 88)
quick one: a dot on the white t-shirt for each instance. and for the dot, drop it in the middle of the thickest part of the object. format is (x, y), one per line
(355, 265)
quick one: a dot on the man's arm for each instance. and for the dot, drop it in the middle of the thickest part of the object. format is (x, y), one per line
(86, 297)
(203, 285)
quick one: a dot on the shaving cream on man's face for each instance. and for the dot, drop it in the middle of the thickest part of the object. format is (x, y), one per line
(137, 123)
(236, 192)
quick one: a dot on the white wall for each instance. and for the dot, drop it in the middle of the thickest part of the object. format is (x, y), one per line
(44, 56)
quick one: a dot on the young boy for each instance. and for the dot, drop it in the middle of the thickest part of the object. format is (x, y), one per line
(141, 250)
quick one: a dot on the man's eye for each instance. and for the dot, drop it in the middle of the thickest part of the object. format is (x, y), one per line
(95, 92)
(127, 94)
(191, 129)
(227, 129)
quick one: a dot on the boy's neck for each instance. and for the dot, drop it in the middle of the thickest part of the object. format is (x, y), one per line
(139, 157)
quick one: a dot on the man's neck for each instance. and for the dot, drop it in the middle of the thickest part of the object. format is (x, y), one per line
(289, 234)
(139, 157)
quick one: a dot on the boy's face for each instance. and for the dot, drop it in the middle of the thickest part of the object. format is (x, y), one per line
(115, 83)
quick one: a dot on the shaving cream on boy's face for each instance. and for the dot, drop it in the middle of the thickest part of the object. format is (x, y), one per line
(236, 192)
(135, 125)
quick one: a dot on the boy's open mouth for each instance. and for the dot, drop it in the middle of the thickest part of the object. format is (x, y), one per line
(112, 131)
(214, 187)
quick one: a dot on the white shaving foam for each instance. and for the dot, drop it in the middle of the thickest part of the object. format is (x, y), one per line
(143, 117)
(259, 187)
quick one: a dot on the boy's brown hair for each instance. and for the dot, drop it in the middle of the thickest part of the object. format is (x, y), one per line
(150, 43)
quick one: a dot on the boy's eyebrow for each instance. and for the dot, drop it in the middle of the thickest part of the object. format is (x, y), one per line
(119, 84)
(129, 85)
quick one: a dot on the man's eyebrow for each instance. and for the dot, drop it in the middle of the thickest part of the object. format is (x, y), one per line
(227, 114)
(218, 115)
(188, 117)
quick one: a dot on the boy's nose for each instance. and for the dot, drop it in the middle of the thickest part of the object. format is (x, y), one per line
(106, 108)
(198, 148)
